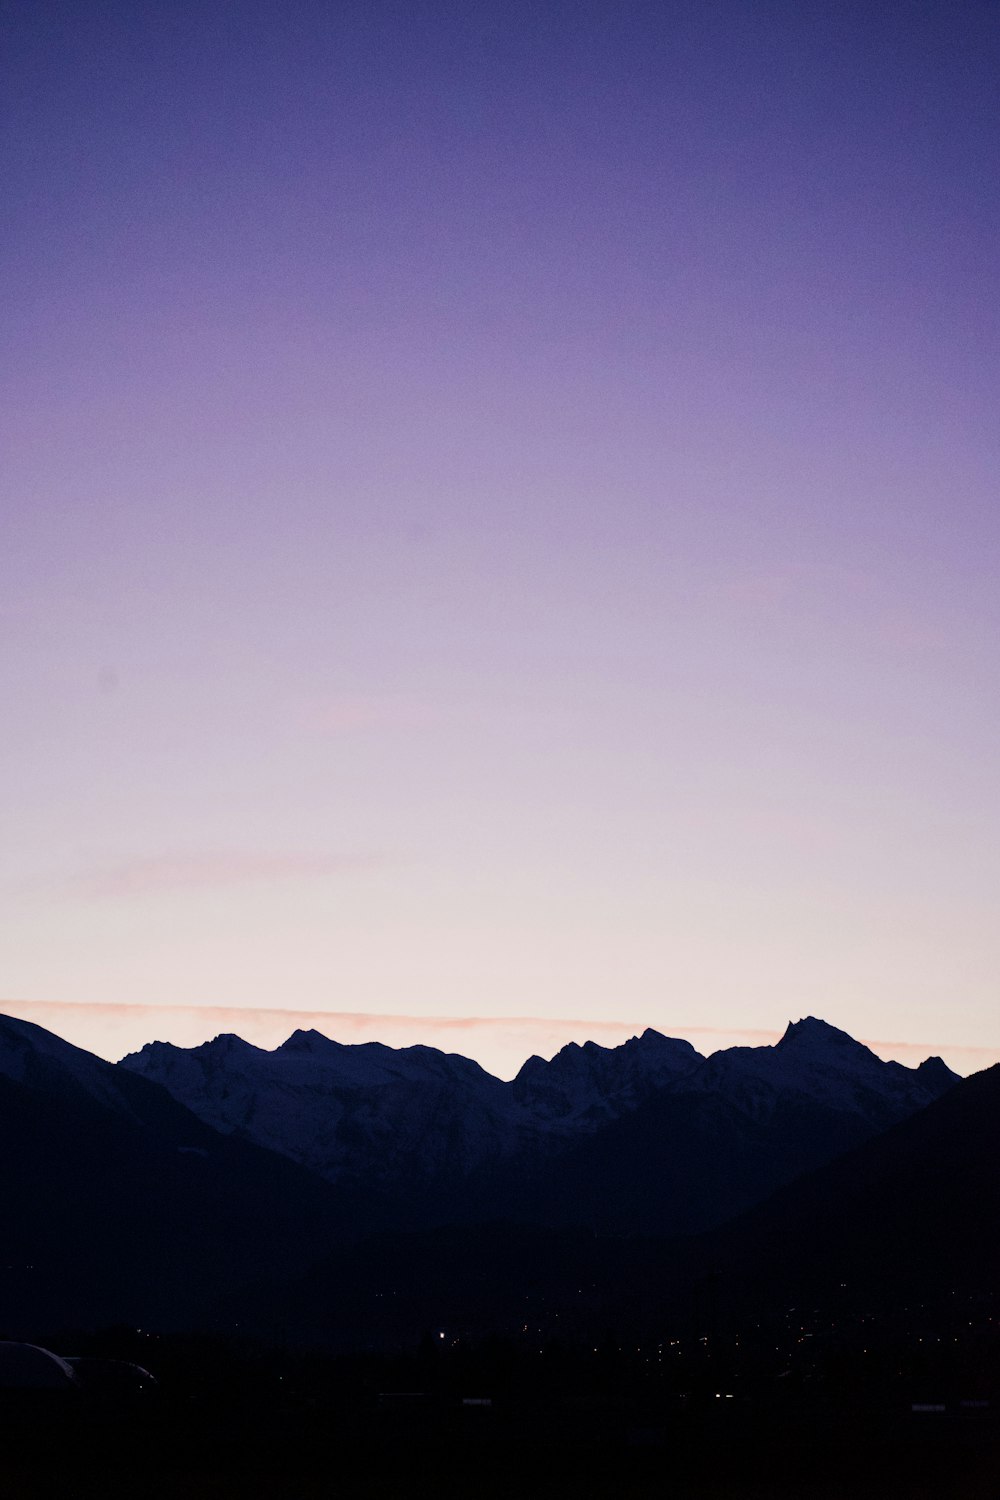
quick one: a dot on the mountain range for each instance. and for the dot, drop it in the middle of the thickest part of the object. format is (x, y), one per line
(163, 1189)
(646, 1137)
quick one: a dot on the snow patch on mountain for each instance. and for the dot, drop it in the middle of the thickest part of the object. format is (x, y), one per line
(826, 1066)
(409, 1114)
(584, 1086)
(367, 1108)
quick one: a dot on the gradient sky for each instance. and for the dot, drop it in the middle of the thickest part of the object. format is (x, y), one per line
(500, 519)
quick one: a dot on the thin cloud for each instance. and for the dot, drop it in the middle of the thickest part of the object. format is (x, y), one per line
(501, 1043)
(757, 1034)
(928, 1049)
(211, 869)
(230, 1016)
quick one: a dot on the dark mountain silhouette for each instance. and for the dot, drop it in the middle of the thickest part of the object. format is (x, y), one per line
(648, 1137)
(910, 1218)
(724, 1135)
(914, 1212)
(121, 1204)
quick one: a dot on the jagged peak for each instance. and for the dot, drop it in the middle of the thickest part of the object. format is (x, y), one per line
(935, 1070)
(228, 1041)
(933, 1063)
(572, 1054)
(151, 1049)
(531, 1066)
(309, 1040)
(811, 1031)
(657, 1041)
(225, 1044)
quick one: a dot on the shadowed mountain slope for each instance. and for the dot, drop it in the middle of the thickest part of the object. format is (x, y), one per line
(915, 1210)
(121, 1205)
(911, 1217)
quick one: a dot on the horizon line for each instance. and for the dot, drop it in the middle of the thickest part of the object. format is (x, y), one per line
(466, 1024)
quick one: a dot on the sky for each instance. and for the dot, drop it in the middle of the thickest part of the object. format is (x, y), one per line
(499, 521)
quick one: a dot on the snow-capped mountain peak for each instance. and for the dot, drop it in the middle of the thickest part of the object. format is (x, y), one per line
(590, 1083)
(821, 1063)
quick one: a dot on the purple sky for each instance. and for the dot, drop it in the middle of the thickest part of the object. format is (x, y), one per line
(500, 518)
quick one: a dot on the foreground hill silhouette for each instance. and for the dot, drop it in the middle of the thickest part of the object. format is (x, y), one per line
(913, 1212)
(120, 1205)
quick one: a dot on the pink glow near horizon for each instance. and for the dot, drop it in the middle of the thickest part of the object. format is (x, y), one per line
(499, 1044)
